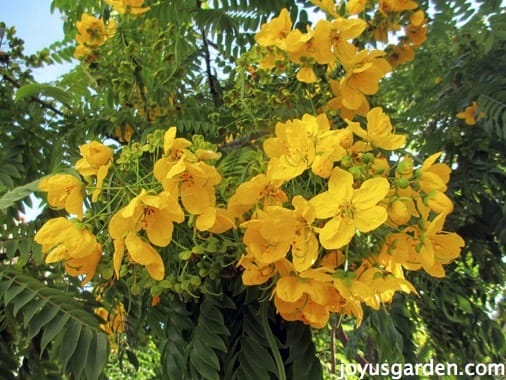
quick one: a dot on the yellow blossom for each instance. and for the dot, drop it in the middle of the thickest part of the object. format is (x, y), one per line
(114, 320)
(155, 214)
(303, 143)
(363, 73)
(349, 209)
(399, 212)
(92, 30)
(306, 74)
(64, 191)
(379, 130)
(62, 239)
(128, 6)
(275, 31)
(469, 114)
(438, 247)
(260, 188)
(388, 6)
(255, 273)
(96, 161)
(433, 176)
(354, 7)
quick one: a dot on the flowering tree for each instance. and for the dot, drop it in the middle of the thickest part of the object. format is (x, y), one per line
(235, 191)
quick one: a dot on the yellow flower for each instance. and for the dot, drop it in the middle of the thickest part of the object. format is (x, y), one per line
(354, 7)
(403, 52)
(438, 247)
(330, 39)
(336, 103)
(385, 285)
(439, 202)
(114, 320)
(328, 6)
(304, 244)
(363, 73)
(261, 187)
(62, 239)
(82, 51)
(350, 209)
(303, 143)
(379, 130)
(275, 31)
(193, 182)
(255, 273)
(64, 191)
(306, 74)
(92, 31)
(264, 246)
(399, 212)
(96, 161)
(387, 6)
(433, 176)
(215, 220)
(469, 114)
(307, 297)
(133, 7)
(154, 214)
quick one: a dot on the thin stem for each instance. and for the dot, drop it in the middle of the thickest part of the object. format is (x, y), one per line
(272, 342)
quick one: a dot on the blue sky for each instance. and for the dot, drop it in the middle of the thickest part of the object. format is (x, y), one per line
(37, 27)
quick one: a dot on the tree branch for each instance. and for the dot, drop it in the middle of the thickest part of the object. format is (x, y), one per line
(33, 98)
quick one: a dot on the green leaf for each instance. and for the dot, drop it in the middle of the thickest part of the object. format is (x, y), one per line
(11, 197)
(97, 355)
(52, 329)
(69, 341)
(40, 320)
(34, 89)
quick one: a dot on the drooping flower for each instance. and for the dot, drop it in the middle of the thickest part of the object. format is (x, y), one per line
(379, 130)
(64, 192)
(349, 209)
(62, 239)
(133, 7)
(433, 176)
(114, 319)
(260, 188)
(363, 73)
(438, 247)
(154, 214)
(97, 159)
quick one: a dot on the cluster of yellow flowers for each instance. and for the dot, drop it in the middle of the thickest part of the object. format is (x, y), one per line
(148, 217)
(308, 251)
(71, 240)
(344, 244)
(92, 31)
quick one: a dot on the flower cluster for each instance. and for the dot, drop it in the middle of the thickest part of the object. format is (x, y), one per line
(310, 250)
(331, 224)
